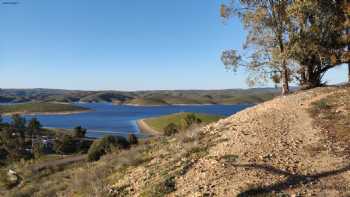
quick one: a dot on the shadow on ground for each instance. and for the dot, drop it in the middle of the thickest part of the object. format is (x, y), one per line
(292, 181)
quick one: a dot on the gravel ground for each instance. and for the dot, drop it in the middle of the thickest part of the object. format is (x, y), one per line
(270, 149)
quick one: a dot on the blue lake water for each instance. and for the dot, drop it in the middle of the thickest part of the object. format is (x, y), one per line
(121, 119)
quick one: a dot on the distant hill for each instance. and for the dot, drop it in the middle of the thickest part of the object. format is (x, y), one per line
(157, 97)
(41, 108)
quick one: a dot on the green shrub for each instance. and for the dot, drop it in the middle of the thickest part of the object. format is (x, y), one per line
(171, 129)
(190, 120)
(79, 132)
(83, 146)
(166, 186)
(106, 145)
(132, 139)
(321, 105)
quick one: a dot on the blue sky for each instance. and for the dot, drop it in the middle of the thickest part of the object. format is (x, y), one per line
(119, 45)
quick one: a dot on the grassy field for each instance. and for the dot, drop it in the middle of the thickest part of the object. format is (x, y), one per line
(40, 108)
(159, 123)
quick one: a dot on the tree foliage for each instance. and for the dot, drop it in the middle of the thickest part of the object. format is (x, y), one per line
(33, 127)
(79, 132)
(266, 24)
(316, 37)
(12, 138)
(189, 120)
(132, 139)
(289, 39)
(171, 129)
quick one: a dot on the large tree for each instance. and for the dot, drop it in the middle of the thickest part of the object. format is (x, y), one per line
(316, 38)
(267, 44)
(291, 39)
(346, 11)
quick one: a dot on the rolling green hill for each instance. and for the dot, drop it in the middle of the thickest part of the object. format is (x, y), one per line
(40, 108)
(147, 101)
(158, 97)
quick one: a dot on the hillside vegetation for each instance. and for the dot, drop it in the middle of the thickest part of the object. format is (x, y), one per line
(159, 123)
(277, 148)
(37, 107)
(161, 97)
(147, 101)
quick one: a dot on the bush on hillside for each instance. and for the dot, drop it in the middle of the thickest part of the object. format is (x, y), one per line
(132, 139)
(171, 129)
(189, 120)
(192, 119)
(106, 145)
(321, 105)
(79, 132)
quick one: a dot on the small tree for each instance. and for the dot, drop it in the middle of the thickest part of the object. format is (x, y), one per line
(33, 128)
(171, 129)
(79, 132)
(132, 139)
(12, 138)
(12, 143)
(18, 125)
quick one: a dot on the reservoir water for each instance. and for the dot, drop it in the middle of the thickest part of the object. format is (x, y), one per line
(121, 119)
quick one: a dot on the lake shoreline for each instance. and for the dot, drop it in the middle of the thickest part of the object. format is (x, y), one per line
(46, 113)
(118, 119)
(160, 105)
(146, 129)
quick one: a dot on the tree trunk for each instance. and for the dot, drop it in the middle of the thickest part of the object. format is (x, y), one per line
(348, 72)
(347, 34)
(302, 75)
(285, 83)
(310, 78)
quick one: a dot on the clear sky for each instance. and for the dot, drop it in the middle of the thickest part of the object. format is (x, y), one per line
(118, 45)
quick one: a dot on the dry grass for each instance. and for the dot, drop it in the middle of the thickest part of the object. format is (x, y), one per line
(176, 155)
(332, 114)
(81, 179)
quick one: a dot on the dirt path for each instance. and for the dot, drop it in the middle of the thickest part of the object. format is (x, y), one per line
(59, 162)
(278, 148)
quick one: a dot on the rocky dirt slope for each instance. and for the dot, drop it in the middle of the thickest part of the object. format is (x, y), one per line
(271, 149)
